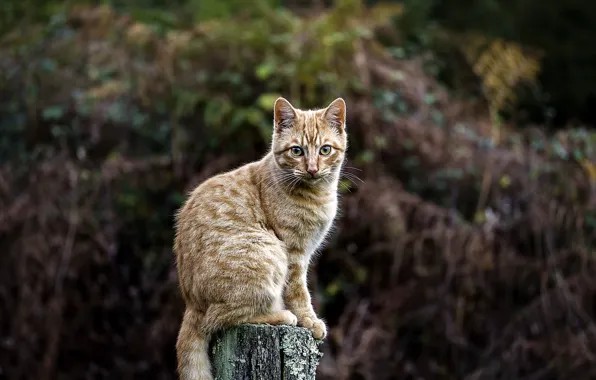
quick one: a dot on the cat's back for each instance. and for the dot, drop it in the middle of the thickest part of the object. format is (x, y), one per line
(219, 208)
(222, 239)
(230, 195)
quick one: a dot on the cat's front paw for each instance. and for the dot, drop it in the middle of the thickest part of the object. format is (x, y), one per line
(316, 325)
(289, 318)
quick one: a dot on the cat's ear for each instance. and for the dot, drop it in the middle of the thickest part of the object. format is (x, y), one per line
(335, 114)
(284, 114)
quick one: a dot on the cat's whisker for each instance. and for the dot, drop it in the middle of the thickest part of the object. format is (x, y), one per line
(272, 179)
(272, 183)
(352, 182)
(294, 183)
(345, 187)
(288, 180)
(349, 180)
(351, 176)
(288, 184)
(266, 180)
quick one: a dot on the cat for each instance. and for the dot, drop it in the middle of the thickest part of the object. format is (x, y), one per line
(244, 239)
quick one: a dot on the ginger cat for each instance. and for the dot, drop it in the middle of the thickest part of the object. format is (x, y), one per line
(244, 239)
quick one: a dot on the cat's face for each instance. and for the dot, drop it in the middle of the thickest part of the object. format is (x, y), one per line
(309, 146)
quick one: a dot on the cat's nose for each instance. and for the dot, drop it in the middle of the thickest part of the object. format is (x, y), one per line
(312, 171)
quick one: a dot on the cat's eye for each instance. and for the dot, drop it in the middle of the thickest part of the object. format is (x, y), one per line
(296, 151)
(325, 150)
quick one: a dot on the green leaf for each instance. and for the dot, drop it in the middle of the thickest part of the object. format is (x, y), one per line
(578, 154)
(333, 288)
(430, 98)
(238, 117)
(437, 117)
(265, 70)
(398, 52)
(58, 130)
(216, 110)
(117, 112)
(365, 157)
(360, 274)
(266, 101)
(590, 221)
(48, 65)
(449, 173)
(254, 116)
(186, 102)
(139, 119)
(53, 113)
(408, 144)
(114, 155)
(84, 108)
(381, 142)
(410, 162)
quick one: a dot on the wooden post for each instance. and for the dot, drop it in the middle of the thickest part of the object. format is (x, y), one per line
(264, 352)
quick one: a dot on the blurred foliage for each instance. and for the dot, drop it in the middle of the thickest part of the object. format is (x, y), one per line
(561, 31)
(230, 73)
(502, 67)
(566, 77)
(172, 13)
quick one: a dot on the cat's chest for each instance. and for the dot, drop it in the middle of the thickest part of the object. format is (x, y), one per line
(305, 227)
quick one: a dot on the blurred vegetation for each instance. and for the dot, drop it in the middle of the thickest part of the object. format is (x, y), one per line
(465, 249)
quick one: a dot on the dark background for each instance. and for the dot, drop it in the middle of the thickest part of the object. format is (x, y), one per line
(465, 245)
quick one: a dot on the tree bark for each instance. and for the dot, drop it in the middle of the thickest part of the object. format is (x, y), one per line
(264, 352)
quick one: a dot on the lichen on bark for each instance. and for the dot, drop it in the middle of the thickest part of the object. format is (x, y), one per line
(264, 352)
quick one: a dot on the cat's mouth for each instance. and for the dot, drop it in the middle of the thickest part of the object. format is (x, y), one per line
(304, 178)
(312, 179)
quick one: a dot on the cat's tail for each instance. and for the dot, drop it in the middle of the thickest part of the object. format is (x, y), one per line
(192, 349)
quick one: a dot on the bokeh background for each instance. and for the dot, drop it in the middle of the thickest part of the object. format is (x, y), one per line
(465, 246)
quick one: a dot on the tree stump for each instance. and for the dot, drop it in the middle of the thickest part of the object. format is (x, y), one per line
(264, 352)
